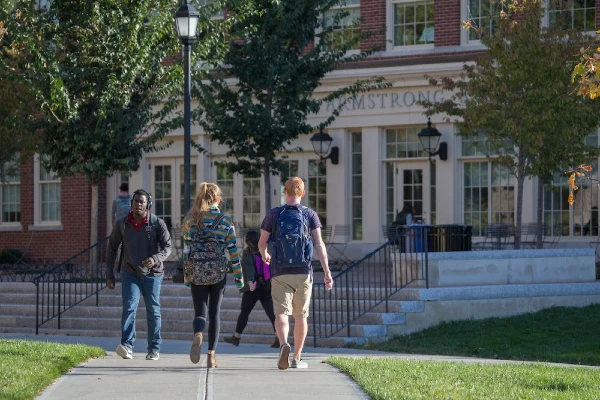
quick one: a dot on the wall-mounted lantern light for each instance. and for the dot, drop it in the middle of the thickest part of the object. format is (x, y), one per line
(429, 138)
(321, 142)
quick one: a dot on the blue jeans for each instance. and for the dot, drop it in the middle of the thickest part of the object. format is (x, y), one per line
(149, 287)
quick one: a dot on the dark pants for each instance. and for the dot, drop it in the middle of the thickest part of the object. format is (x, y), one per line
(249, 299)
(207, 303)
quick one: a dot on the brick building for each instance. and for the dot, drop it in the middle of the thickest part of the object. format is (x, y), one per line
(381, 164)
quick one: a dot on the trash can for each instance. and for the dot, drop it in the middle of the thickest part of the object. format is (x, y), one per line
(451, 237)
(419, 238)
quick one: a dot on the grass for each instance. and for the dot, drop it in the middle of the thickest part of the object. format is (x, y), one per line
(556, 335)
(387, 378)
(28, 367)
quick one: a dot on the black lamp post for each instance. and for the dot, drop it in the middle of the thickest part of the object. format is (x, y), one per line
(321, 142)
(429, 138)
(186, 19)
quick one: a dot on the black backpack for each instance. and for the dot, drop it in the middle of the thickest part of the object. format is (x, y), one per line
(291, 242)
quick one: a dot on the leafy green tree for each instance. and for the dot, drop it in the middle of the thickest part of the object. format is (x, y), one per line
(20, 132)
(257, 101)
(519, 99)
(99, 71)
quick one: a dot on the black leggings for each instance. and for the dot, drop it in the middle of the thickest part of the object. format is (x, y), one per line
(249, 300)
(207, 303)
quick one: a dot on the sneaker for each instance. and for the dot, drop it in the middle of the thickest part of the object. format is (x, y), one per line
(153, 355)
(284, 357)
(275, 343)
(233, 340)
(196, 346)
(124, 352)
(299, 364)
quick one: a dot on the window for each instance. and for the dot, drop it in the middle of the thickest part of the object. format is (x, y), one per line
(251, 217)
(413, 23)
(390, 214)
(199, 4)
(481, 13)
(10, 192)
(402, 143)
(162, 193)
(346, 30)
(488, 191)
(579, 15)
(357, 194)
(317, 189)
(225, 182)
(47, 195)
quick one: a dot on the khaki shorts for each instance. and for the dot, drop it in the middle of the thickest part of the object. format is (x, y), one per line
(291, 294)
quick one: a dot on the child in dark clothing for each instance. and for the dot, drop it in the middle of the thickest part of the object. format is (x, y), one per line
(257, 287)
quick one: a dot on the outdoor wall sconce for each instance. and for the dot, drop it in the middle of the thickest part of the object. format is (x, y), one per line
(429, 138)
(321, 142)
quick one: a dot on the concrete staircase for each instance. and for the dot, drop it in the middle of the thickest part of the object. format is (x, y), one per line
(18, 315)
(408, 311)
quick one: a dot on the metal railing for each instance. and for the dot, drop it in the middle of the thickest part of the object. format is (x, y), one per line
(368, 283)
(68, 284)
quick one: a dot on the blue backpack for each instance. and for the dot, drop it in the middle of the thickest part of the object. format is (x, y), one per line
(291, 242)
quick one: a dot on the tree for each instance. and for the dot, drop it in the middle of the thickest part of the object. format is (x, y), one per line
(519, 99)
(19, 118)
(257, 101)
(99, 74)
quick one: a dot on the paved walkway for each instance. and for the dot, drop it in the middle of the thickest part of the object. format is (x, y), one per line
(247, 371)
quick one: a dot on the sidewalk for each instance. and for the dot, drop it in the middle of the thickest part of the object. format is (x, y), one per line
(246, 371)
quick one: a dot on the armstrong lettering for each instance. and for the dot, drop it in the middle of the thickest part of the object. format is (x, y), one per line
(382, 101)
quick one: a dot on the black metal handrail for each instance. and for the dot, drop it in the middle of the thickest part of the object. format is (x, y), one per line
(68, 284)
(368, 283)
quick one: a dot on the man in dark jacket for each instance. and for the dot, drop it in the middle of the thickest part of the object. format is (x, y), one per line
(146, 245)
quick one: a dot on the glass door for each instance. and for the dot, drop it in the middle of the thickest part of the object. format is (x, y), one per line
(168, 189)
(412, 186)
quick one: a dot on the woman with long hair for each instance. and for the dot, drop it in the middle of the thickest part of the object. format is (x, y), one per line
(207, 297)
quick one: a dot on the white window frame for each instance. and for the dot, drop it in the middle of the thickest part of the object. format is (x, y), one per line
(37, 198)
(15, 182)
(546, 19)
(391, 31)
(348, 7)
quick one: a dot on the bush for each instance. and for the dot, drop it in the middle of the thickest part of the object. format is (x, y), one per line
(10, 256)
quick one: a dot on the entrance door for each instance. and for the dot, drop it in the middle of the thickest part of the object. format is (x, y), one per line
(412, 185)
(168, 189)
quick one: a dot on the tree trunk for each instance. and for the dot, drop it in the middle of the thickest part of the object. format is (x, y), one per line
(518, 223)
(540, 214)
(94, 227)
(267, 175)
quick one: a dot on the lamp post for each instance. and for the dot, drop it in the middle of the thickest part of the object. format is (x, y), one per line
(186, 19)
(321, 142)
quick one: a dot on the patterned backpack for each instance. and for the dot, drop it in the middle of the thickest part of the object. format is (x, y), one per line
(207, 264)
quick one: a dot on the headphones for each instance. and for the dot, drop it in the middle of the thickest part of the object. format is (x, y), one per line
(142, 192)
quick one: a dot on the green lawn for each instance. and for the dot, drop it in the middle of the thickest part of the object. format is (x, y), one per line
(556, 335)
(385, 378)
(28, 367)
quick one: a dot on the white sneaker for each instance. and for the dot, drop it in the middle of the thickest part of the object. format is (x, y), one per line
(299, 364)
(153, 355)
(124, 352)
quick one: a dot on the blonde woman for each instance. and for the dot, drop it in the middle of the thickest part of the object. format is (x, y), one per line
(207, 297)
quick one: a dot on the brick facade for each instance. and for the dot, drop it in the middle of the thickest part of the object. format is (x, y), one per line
(58, 245)
(55, 246)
